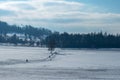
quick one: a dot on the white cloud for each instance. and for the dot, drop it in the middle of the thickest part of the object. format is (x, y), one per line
(57, 13)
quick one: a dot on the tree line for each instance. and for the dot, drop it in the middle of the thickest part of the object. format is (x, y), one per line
(31, 35)
(16, 40)
(55, 39)
(26, 29)
(90, 40)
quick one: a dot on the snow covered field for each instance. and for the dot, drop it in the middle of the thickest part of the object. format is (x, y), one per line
(69, 64)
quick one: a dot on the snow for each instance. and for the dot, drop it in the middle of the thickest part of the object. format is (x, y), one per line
(21, 53)
(69, 64)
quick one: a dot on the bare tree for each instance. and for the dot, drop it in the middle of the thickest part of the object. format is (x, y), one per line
(51, 45)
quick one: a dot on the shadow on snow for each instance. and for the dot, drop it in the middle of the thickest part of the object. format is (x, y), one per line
(18, 61)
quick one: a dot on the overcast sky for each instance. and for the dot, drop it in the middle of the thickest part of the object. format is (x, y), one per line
(64, 15)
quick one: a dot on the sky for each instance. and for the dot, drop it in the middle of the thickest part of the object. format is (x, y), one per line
(73, 16)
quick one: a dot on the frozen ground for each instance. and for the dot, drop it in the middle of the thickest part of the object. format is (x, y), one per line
(84, 64)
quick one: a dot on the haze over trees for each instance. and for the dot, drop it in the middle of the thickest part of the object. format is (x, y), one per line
(29, 35)
(27, 29)
(22, 35)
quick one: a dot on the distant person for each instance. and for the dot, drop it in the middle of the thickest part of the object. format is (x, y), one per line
(26, 60)
(49, 56)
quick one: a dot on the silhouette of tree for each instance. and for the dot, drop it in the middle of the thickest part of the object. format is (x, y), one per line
(51, 45)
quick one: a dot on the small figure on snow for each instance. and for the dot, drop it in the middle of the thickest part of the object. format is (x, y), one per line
(26, 60)
(49, 56)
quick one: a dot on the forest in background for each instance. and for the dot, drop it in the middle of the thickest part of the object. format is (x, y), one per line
(31, 36)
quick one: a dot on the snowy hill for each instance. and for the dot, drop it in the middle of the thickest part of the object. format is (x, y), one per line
(22, 35)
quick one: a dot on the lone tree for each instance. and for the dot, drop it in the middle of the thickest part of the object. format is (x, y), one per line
(51, 45)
